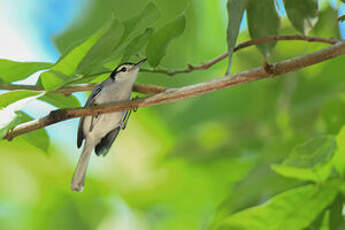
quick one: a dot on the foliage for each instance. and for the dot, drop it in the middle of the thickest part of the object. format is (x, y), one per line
(263, 21)
(235, 13)
(11, 71)
(160, 40)
(309, 161)
(302, 14)
(268, 155)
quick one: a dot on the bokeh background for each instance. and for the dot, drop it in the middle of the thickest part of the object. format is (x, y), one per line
(176, 166)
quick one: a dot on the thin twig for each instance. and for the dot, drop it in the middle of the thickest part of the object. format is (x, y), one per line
(177, 94)
(240, 46)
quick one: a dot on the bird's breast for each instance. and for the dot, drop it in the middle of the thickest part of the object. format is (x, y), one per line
(118, 91)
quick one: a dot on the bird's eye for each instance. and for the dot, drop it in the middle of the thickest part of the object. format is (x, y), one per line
(123, 69)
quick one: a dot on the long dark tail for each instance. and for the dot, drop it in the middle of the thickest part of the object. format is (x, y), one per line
(80, 172)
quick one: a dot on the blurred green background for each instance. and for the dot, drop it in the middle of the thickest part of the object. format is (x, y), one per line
(180, 165)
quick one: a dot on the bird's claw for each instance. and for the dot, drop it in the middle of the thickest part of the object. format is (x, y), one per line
(128, 114)
(135, 108)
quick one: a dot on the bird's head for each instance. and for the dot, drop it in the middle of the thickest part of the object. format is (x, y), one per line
(127, 70)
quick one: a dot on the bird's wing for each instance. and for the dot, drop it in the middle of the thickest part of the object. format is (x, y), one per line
(90, 101)
(104, 145)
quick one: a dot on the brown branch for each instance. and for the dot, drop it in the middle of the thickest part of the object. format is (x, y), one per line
(240, 46)
(67, 90)
(177, 94)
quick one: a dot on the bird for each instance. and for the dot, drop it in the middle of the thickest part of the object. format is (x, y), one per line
(99, 131)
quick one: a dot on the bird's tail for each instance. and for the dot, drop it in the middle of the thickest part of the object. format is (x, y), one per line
(80, 171)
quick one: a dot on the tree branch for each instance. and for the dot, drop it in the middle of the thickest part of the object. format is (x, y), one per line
(240, 46)
(68, 90)
(177, 94)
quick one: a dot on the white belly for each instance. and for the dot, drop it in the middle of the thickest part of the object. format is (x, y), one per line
(100, 126)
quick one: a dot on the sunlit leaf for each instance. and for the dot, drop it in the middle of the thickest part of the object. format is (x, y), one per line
(339, 157)
(68, 64)
(235, 13)
(137, 44)
(309, 161)
(38, 138)
(266, 184)
(281, 211)
(10, 103)
(64, 70)
(60, 101)
(52, 80)
(263, 21)
(11, 71)
(302, 14)
(325, 222)
(104, 47)
(13, 96)
(12, 122)
(161, 39)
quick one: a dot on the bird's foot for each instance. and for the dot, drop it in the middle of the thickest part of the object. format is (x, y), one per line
(136, 108)
(125, 119)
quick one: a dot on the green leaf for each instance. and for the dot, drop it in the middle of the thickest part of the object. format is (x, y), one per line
(104, 47)
(325, 222)
(68, 64)
(263, 21)
(38, 138)
(137, 44)
(52, 80)
(64, 70)
(11, 71)
(302, 14)
(10, 102)
(309, 161)
(133, 27)
(93, 53)
(146, 18)
(13, 96)
(293, 209)
(339, 158)
(161, 39)
(337, 220)
(13, 101)
(60, 101)
(235, 13)
(323, 27)
(5, 127)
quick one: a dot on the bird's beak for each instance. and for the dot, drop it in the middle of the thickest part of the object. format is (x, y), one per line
(140, 63)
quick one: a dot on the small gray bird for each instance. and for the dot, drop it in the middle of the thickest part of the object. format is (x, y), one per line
(101, 130)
